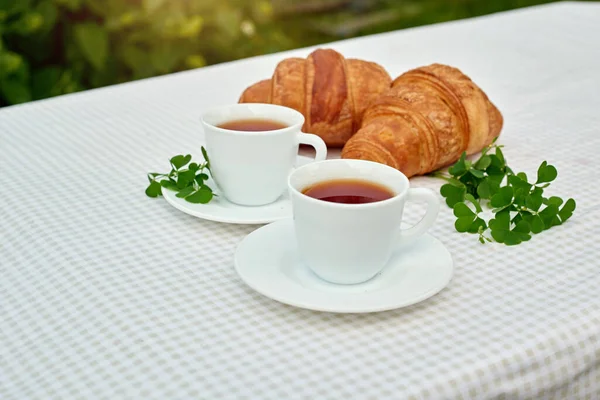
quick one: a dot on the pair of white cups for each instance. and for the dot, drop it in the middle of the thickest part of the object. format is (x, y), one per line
(340, 243)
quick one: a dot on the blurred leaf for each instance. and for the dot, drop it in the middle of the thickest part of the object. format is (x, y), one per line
(47, 9)
(106, 75)
(123, 20)
(11, 7)
(93, 42)
(189, 27)
(152, 5)
(15, 91)
(164, 57)
(98, 7)
(44, 82)
(72, 5)
(137, 60)
(27, 24)
(228, 21)
(9, 63)
(195, 61)
(262, 11)
(161, 36)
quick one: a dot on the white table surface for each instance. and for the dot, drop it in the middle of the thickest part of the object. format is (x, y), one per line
(108, 294)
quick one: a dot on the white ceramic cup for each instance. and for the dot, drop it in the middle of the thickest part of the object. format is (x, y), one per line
(351, 243)
(251, 168)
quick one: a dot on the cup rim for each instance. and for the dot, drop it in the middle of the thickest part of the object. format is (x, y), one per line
(291, 127)
(397, 197)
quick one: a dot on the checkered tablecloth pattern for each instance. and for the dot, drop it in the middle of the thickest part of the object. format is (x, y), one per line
(108, 294)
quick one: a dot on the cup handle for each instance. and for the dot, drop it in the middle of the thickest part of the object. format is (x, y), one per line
(433, 207)
(316, 142)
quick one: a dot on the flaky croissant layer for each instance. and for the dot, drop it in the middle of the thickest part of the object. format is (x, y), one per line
(331, 91)
(428, 117)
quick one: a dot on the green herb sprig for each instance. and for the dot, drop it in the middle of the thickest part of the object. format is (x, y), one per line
(189, 183)
(519, 206)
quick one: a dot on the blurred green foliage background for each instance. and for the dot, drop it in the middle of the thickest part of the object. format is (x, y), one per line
(53, 47)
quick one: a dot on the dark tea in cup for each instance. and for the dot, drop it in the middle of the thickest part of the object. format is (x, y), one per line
(348, 191)
(252, 125)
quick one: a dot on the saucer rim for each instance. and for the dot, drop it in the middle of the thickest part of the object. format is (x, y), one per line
(283, 199)
(354, 310)
(238, 221)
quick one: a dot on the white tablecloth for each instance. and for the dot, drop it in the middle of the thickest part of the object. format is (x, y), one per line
(108, 294)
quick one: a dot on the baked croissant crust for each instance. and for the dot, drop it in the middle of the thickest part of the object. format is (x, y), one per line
(428, 117)
(331, 91)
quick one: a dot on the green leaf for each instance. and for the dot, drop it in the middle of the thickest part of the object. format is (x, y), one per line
(459, 168)
(92, 40)
(474, 201)
(546, 173)
(501, 221)
(180, 160)
(514, 238)
(199, 179)
(496, 165)
(201, 196)
(484, 190)
(538, 192)
(471, 182)
(557, 201)
(205, 155)
(153, 190)
(537, 225)
(533, 201)
(567, 210)
(483, 163)
(193, 167)
(518, 218)
(502, 233)
(185, 192)
(184, 178)
(503, 198)
(519, 197)
(549, 216)
(205, 187)
(522, 227)
(499, 235)
(453, 194)
(463, 224)
(520, 233)
(500, 156)
(462, 210)
(478, 224)
(476, 173)
(519, 183)
(168, 184)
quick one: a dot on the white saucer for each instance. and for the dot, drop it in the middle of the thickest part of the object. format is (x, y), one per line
(267, 261)
(219, 209)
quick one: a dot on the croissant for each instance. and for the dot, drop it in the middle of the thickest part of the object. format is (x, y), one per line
(428, 117)
(331, 91)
